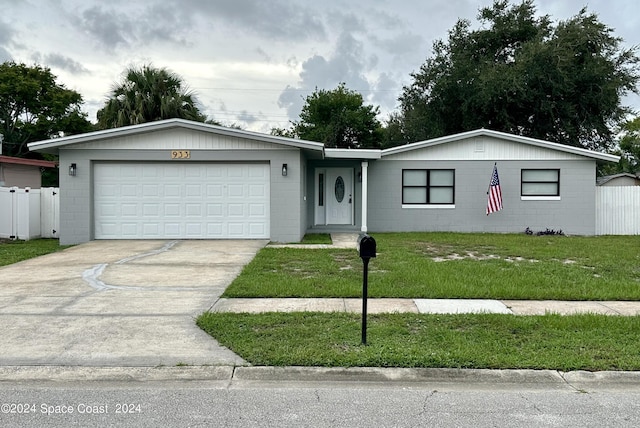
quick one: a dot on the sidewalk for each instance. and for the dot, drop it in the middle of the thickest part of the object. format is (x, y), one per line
(428, 306)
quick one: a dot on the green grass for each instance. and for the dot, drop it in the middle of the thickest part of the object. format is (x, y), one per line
(15, 251)
(317, 238)
(578, 342)
(454, 265)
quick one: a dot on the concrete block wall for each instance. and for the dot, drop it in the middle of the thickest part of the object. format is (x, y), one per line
(574, 213)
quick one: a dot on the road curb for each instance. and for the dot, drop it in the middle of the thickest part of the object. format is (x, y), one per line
(115, 374)
(526, 378)
(417, 375)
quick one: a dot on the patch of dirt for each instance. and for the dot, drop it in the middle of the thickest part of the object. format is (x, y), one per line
(447, 253)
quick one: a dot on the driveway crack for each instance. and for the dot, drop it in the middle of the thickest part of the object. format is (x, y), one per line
(166, 247)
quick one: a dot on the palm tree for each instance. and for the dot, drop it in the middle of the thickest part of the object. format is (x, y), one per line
(146, 94)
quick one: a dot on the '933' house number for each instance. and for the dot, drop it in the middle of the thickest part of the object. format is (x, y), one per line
(180, 154)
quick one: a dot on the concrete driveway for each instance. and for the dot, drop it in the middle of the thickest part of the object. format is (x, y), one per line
(118, 303)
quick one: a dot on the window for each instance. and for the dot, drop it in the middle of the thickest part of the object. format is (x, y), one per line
(540, 182)
(320, 190)
(427, 186)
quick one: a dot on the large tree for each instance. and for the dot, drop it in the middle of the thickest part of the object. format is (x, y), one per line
(34, 107)
(337, 118)
(146, 94)
(628, 149)
(521, 74)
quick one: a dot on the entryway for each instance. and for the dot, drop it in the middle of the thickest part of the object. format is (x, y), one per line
(334, 196)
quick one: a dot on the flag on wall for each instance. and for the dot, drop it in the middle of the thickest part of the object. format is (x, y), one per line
(494, 202)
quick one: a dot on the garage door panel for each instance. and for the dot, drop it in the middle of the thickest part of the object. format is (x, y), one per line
(235, 171)
(236, 230)
(181, 200)
(127, 230)
(257, 190)
(172, 210)
(172, 191)
(236, 191)
(257, 210)
(194, 230)
(257, 228)
(150, 190)
(151, 210)
(171, 230)
(128, 210)
(235, 210)
(109, 228)
(105, 189)
(215, 191)
(215, 230)
(151, 229)
(215, 210)
(194, 210)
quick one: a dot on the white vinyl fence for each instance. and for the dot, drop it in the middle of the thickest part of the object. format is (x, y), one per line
(618, 210)
(29, 213)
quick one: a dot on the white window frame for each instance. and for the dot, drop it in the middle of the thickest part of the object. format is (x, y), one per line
(540, 196)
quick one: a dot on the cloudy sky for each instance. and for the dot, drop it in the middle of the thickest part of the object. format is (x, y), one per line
(253, 62)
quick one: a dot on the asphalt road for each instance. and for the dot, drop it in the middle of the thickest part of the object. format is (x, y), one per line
(310, 404)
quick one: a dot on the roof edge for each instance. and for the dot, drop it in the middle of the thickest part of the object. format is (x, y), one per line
(159, 125)
(335, 153)
(503, 135)
(30, 162)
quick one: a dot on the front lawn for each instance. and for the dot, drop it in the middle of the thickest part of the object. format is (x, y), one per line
(443, 265)
(454, 265)
(492, 341)
(16, 251)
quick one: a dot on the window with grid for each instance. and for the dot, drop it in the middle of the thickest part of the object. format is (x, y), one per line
(428, 186)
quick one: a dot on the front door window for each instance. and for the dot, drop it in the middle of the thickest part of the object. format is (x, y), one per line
(339, 189)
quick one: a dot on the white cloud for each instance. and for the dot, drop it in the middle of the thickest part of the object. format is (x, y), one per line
(253, 62)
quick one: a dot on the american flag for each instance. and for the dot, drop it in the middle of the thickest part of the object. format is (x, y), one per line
(494, 202)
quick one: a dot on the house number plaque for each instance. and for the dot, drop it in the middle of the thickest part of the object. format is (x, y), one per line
(181, 154)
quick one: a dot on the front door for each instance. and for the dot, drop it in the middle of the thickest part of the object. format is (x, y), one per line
(339, 196)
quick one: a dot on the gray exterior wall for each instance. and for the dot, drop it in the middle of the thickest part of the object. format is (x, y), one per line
(76, 196)
(574, 213)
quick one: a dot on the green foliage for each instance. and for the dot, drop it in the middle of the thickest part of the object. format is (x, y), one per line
(15, 251)
(630, 146)
(521, 74)
(491, 341)
(453, 265)
(147, 94)
(337, 118)
(34, 107)
(628, 150)
(317, 238)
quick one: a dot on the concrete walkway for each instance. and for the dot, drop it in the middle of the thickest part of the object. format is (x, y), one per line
(427, 306)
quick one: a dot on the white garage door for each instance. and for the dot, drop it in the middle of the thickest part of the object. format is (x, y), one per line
(181, 200)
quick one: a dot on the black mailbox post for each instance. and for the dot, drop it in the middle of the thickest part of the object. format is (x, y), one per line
(367, 250)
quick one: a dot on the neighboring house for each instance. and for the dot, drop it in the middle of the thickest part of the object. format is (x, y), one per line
(176, 179)
(623, 179)
(19, 172)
